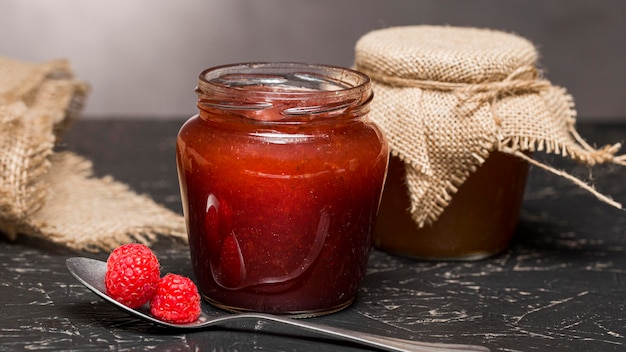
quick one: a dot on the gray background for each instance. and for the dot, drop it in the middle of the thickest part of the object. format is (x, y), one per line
(142, 57)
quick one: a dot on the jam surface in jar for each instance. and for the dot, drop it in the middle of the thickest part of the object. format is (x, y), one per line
(281, 176)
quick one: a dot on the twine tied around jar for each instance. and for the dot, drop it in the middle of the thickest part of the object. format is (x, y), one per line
(447, 97)
(522, 80)
(53, 195)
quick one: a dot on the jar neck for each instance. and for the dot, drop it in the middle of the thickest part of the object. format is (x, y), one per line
(284, 93)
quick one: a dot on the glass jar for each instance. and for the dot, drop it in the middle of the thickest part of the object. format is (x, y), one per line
(479, 222)
(281, 175)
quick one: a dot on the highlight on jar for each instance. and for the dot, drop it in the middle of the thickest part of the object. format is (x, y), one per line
(281, 174)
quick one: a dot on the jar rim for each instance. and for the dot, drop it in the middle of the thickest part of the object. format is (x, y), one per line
(293, 91)
(316, 79)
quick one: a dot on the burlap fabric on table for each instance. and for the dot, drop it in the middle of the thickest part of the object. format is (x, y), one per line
(54, 195)
(447, 97)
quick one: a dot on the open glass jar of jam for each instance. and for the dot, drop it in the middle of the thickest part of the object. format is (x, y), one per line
(281, 175)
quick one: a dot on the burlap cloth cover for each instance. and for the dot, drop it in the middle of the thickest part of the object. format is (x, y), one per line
(54, 195)
(447, 97)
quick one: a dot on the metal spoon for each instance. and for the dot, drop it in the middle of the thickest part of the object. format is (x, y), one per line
(90, 272)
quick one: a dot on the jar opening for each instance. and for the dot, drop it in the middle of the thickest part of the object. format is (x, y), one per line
(285, 91)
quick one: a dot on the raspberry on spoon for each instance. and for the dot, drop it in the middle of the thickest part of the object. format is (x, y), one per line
(176, 300)
(132, 274)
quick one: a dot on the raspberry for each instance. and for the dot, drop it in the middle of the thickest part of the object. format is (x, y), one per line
(176, 300)
(132, 274)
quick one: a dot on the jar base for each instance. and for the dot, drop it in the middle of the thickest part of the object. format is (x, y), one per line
(291, 314)
(467, 257)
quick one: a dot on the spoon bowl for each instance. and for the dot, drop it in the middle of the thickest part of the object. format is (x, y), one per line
(90, 272)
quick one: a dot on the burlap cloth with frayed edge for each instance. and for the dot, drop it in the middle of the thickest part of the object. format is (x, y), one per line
(54, 195)
(447, 97)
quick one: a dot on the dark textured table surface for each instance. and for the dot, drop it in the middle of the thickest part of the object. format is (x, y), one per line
(560, 287)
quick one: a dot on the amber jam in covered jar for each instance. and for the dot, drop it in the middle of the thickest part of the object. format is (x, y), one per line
(281, 175)
(479, 222)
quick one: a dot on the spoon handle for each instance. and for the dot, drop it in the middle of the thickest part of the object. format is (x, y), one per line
(362, 338)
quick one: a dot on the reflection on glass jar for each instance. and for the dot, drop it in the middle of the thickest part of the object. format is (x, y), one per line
(281, 175)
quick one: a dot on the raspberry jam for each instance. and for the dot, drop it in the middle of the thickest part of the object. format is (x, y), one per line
(281, 175)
